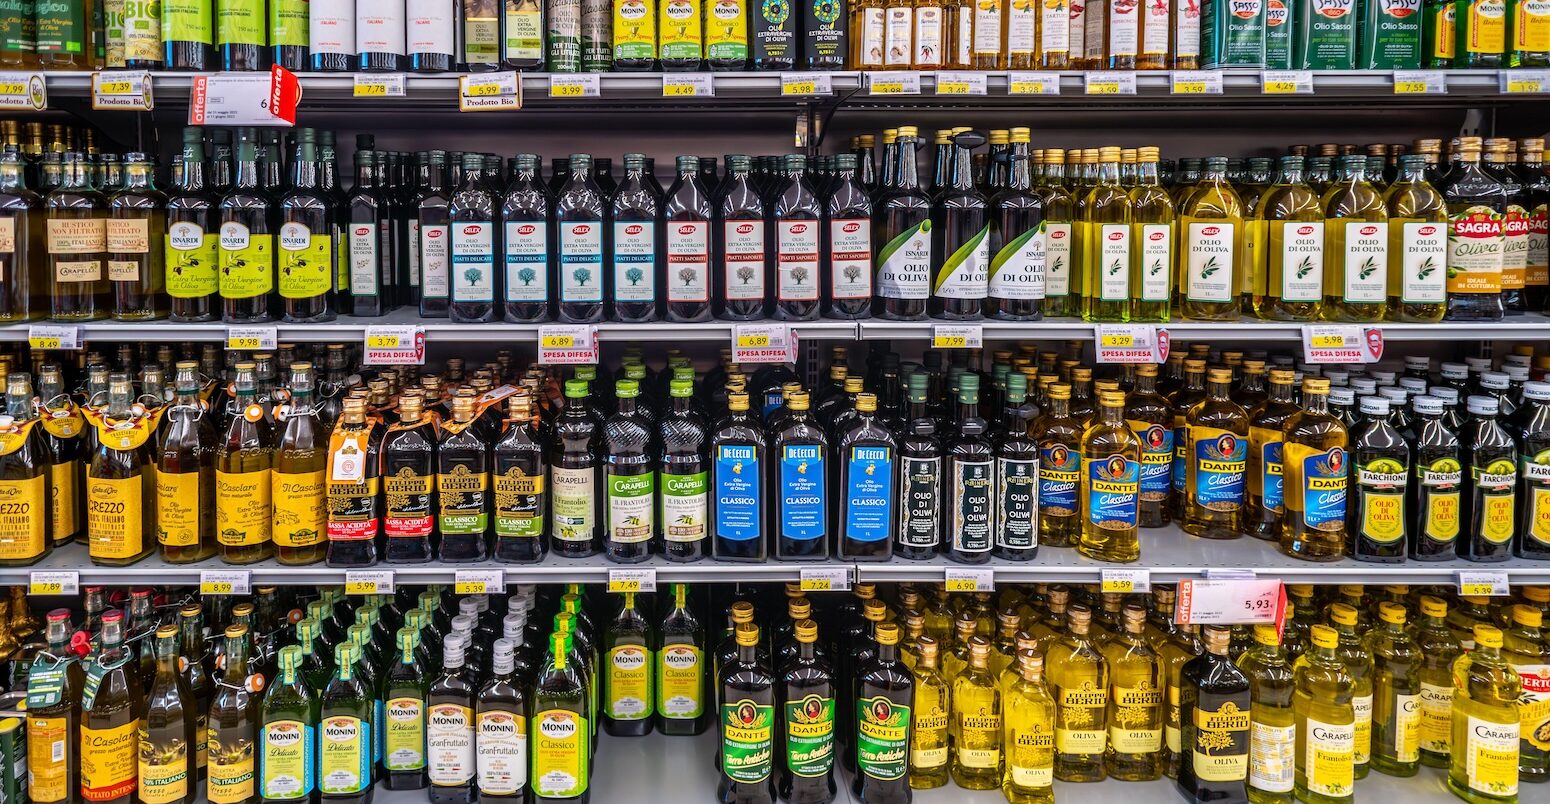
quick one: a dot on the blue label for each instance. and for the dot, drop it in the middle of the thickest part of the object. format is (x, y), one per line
(378, 717)
(869, 494)
(1059, 472)
(1113, 491)
(737, 493)
(1275, 496)
(287, 786)
(1180, 458)
(772, 400)
(1220, 464)
(801, 492)
(1156, 462)
(1323, 488)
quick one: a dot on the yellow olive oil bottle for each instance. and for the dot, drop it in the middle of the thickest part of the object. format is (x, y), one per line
(1212, 247)
(1289, 268)
(1314, 469)
(1111, 475)
(1356, 246)
(1418, 245)
(1217, 445)
(1151, 242)
(1106, 247)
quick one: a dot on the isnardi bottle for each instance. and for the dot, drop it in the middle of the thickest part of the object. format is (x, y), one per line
(191, 272)
(969, 479)
(1217, 445)
(1326, 722)
(1489, 463)
(1151, 421)
(1314, 467)
(121, 481)
(1215, 723)
(1483, 767)
(354, 504)
(1418, 245)
(1016, 276)
(960, 242)
(1079, 682)
(1289, 247)
(1110, 483)
(1266, 505)
(901, 230)
(1212, 262)
(747, 723)
(245, 247)
(884, 701)
(1059, 437)
(1273, 738)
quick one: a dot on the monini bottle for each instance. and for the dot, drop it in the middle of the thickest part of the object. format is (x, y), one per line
(627, 672)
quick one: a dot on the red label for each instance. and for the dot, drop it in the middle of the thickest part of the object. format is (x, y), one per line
(352, 531)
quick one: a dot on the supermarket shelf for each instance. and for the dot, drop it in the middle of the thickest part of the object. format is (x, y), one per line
(1521, 328)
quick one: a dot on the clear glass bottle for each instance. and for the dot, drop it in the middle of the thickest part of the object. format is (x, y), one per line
(1152, 236)
(1289, 247)
(1314, 466)
(244, 460)
(1110, 484)
(1136, 688)
(1396, 694)
(1477, 204)
(1486, 724)
(1059, 437)
(1079, 682)
(1212, 261)
(1528, 653)
(1418, 245)
(1356, 246)
(1326, 722)
(928, 748)
(1106, 244)
(1217, 444)
(1273, 740)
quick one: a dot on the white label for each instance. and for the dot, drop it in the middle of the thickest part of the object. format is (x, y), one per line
(1366, 261)
(252, 338)
(1272, 757)
(1124, 28)
(970, 580)
(904, 265)
(960, 83)
(363, 258)
(502, 753)
(1227, 602)
(957, 336)
(379, 28)
(850, 258)
(1055, 31)
(635, 261)
(893, 83)
(1193, 82)
(1209, 249)
(965, 38)
(431, 28)
(1423, 276)
(1286, 82)
(825, 579)
(414, 252)
(1125, 581)
(331, 25)
(346, 464)
(1186, 29)
(449, 739)
(1302, 260)
(763, 343)
(567, 345)
(1483, 584)
(53, 336)
(489, 92)
(527, 261)
(632, 580)
(1407, 728)
(225, 582)
(1057, 259)
(575, 85)
(581, 255)
(436, 261)
(1156, 260)
(1114, 262)
(1436, 718)
(23, 91)
(897, 44)
(987, 28)
(573, 491)
(873, 39)
(122, 90)
(796, 260)
(369, 582)
(1154, 27)
(1362, 706)
(630, 517)
(1488, 743)
(1420, 82)
(478, 582)
(744, 257)
(1033, 83)
(1022, 22)
(1017, 270)
(1109, 82)
(378, 85)
(53, 583)
(473, 261)
(688, 85)
(1327, 738)
(688, 261)
(966, 274)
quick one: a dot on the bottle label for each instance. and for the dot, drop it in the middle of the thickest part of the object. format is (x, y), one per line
(1017, 270)
(1112, 485)
(306, 262)
(380, 29)
(1538, 268)
(1017, 487)
(1534, 705)
(163, 774)
(1362, 706)
(581, 255)
(869, 494)
(1031, 755)
(482, 38)
(1487, 27)
(635, 30)
(987, 29)
(1407, 728)
(473, 261)
(1221, 461)
(1440, 484)
(1531, 27)
(1329, 758)
(1436, 730)
(924, 25)
(288, 25)
(1136, 725)
(185, 21)
(1076, 29)
(680, 25)
(1535, 470)
(573, 491)
(882, 739)
(904, 264)
(1425, 253)
(49, 741)
(344, 755)
(965, 273)
(1059, 475)
(1054, 32)
(113, 517)
(287, 771)
(726, 30)
(1094, 17)
(1221, 749)
(191, 261)
(688, 261)
(747, 741)
(109, 761)
(635, 261)
(744, 257)
(246, 262)
(524, 34)
(810, 736)
(1124, 29)
(230, 768)
(23, 518)
(1181, 459)
(501, 749)
(1084, 718)
(796, 260)
(1382, 486)
(241, 23)
(738, 514)
(1021, 27)
(928, 748)
(1113, 259)
(1491, 756)
(362, 255)
(679, 680)
(435, 261)
(850, 256)
(464, 497)
(1495, 484)
(1366, 262)
(802, 503)
(527, 261)
(1515, 227)
(1302, 260)
(627, 683)
(1272, 757)
(629, 507)
(1265, 446)
(352, 507)
(408, 513)
(973, 483)
(63, 494)
(873, 38)
(1156, 241)
(331, 26)
(921, 525)
(519, 504)
(1156, 460)
(300, 507)
(430, 29)
(1324, 488)
(242, 507)
(450, 741)
(1475, 244)
(1210, 262)
(685, 506)
(979, 739)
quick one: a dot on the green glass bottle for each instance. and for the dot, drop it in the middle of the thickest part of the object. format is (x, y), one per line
(288, 729)
(627, 672)
(561, 718)
(345, 740)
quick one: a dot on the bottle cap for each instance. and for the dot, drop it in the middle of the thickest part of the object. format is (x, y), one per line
(1342, 396)
(1375, 406)
(806, 631)
(887, 634)
(742, 612)
(1426, 405)
(747, 634)
(1537, 391)
(874, 611)
(1324, 637)
(1433, 606)
(1342, 614)
(1315, 385)
(1487, 636)
(1391, 613)
(1481, 405)
(1526, 616)
(1266, 635)
(1495, 381)
(1535, 594)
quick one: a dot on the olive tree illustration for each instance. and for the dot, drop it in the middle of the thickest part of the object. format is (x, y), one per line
(634, 275)
(582, 276)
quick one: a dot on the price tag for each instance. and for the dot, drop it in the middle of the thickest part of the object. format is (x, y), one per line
(379, 85)
(1125, 581)
(825, 579)
(1420, 82)
(244, 99)
(1342, 343)
(127, 91)
(893, 82)
(1196, 82)
(1131, 343)
(394, 346)
(806, 84)
(1286, 82)
(251, 338)
(489, 92)
(1228, 602)
(54, 583)
(960, 83)
(479, 582)
(1483, 584)
(53, 336)
(957, 336)
(1109, 82)
(575, 85)
(567, 345)
(27, 92)
(763, 343)
(369, 582)
(1033, 83)
(688, 85)
(970, 580)
(1524, 82)
(225, 582)
(632, 580)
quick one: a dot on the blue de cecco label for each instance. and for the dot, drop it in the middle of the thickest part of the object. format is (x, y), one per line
(869, 493)
(737, 493)
(801, 491)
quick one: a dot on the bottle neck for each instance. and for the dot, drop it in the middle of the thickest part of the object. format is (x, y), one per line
(1315, 403)
(907, 171)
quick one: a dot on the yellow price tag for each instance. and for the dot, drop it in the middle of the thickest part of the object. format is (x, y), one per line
(1328, 341)
(621, 585)
(382, 341)
(1476, 589)
(1119, 340)
(1409, 87)
(674, 90)
(470, 587)
(215, 588)
(13, 88)
(887, 88)
(799, 88)
(1025, 88)
(42, 342)
(817, 584)
(1280, 87)
(1515, 85)
(559, 341)
(360, 587)
(1103, 88)
(374, 89)
(115, 87)
(952, 87)
(1189, 88)
(482, 90)
(242, 343)
(45, 588)
(961, 585)
(752, 341)
(1121, 586)
(950, 342)
(567, 91)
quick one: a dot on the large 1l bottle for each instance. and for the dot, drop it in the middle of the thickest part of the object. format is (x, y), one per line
(960, 242)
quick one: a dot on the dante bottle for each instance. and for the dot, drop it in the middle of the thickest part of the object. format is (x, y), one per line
(1314, 464)
(1217, 445)
(1111, 470)
(747, 723)
(884, 699)
(1059, 437)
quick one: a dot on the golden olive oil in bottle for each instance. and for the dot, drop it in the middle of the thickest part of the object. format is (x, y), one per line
(1106, 247)
(1356, 246)
(1289, 274)
(1314, 470)
(1152, 235)
(1418, 245)
(1217, 436)
(1110, 485)
(1484, 764)
(1212, 252)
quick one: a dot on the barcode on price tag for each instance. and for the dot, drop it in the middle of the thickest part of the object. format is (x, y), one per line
(225, 582)
(369, 582)
(251, 338)
(51, 336)
(893, 83)
(806, 84)
(1420, 82)
(632, 580)
(1110, 82)
(479, 582)
(1033, 83)
(1228, 602)
(957, 336)
(54, 583)
(489, 92)
(571, 345)
(970, 580)
(128, 91)
(1484, 584)
(1125, 581)
(825, 579)
(575, 85)
(688, 85)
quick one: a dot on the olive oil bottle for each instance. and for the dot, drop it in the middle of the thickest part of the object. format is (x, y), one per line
(1212, 261)
(1059, 437)
(297, 491)
(806, 690)
(518, 475)
(1326, 722)
(1152, 235)
(111, 705)
(681, 681)
(167, 770)
(928, 747)
(1396, 694)
(1375, 512)
(1273, 739)
(354, 505)
(120, 481)
(1484, 760)
(1266, 506)
(1418, 245)
(1489, 462)
(1314, 458)
(747, 723)
(463, 486)
(1151, 421)
(1110, 485)
(409, 514)
(1016, 285)
(960, 243)
(884, 701)
(1217, 443)
(24, 479)
(345, 739)
(1434, 673)
(246, 244)
(1435, 492)
(1106, 244)
(979, 760)
(54, 684)
(1029, 734)
(77, 244)
(1079, 682)
(1136, 688)
(244, 459)
(629, 477)
(1477, 206)
(1356, 246)
(1215, 723)
(1345, 619)
(501, 711)
(450, 730)
(288, 724)
(1288, 247)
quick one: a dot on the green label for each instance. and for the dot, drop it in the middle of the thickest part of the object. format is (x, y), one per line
(240, 22)
(187, 21)
(747, 741)
(18, 26)
(247, 262)
(46, 681)
(289, 23)
(883, 737)
(629, 506)
(810, 736)
(61, 26)
(519, 504)
(191, 262)
(1326, 35)
(306, 262)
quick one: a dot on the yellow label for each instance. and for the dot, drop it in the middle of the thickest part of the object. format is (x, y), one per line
(108, 761)
(403, 745)
(177, 508)
(229, 771)
(23, 518)
(242, 514)
(1539, 520)
(113, 517)
(560, 752)
(344, 755)
(1496, 525)
(1487, 20)
(1442, 516)
(50, 743)
(306, 263)
(1531, 27)
(680, 678)
(163, 772)
(1436, 731)
(1221, 747)
(64, 423)
(1134, 724)
(1491, 756)
(1329, 762)
(627, 683)
(246, 262)
(63, 494)
(1383, 517)
(1407, 727)
(680, 29)
(300, 508)
(816, 584)
(1362, 748)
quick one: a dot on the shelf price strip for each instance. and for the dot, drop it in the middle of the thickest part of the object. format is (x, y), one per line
(225, 582)
(763, 343)
(251, 338)
(122, 91)
(478, 582)
(53, 583)
(806, 84)
(970, 580)
(1033, 83)
(825, 579)
(574, 345)
(1420, 82)
(1286, 82)
(1131, 343)
(369, 582)
(489, 92)
(52, 336)
(26, 92)
(1229, 602)
(1195, 82)
(893, 83)
(378, 85)
(1125, 581)
(394, 346)
(1342, 343)
(957, 336)
(1109, 82)
(688, 85)
(1483, 583)
(632, 580)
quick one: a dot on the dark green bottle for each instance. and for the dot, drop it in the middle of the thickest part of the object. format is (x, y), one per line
(747, 724)
(1375, 513)
(806, 716)
(246, 244)
(1490, 461)
(306, 248)
(884, 705)
(404, 691)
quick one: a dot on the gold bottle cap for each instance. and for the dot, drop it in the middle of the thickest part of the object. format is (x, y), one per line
(1487, 636)
(1397, 589)
(886, 634)
(1315, 385)
(1108, 154)
(1391, 613)
(1475, 600)
(1195, 364)
(1266, 635)
(1148, 153)
(1535, 594)
(1090, 155)
(1079, 374)
(236, 630)
(1054, 156)
(866, 591)
(1526, 616)
(866, 403)
(1433, 606)
(1297, 589)
(928, 648)
(1105, 385)
(874, 611)
(964, 625)
(1217, 638)
(797, 401)
(1135, 618)
(737, 402)
(1341, 614)
(1291, 609)
(866, 140)
(799, 608)
(1111, 399)
(742, 612)
(1146, 370)
(1164, 594)
(1079, 617)
(1059, 594)
(1219, 375)
(169, 630)
(1324, 637)
(1253, 367)
(807, 631)
(1059, 390)
(1355, 590)
(979, 650)
(1527, 144)
(909, 131)
(1127, 156)
(960, 129)
(747, 635)
(1030, 663)
(1021, 134)
(854, 385)
(999, 136)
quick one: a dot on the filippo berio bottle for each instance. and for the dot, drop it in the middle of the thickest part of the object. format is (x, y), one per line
(518, 470)
(354, 505)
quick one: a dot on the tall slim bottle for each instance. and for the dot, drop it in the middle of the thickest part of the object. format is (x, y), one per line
(233, 725)
(528, 263)
(1059, 437)
(354, 502)
(1217, 445)
(969, 479)
(575, 467)
(185, 474)
(1356, 247)
(797, 219)
(244, 459)
(187, 35)
(579, 210)
(686, 217)
(473, 286)
(368, 228)
(800, 488)
(901, 225)
(518, 472)
(288, 724)
(246, 244)
(960, 244)
(306, 242)
(637, 271)
(742, 270)
(24, 479)
(121, 481)
(1016, 282)
(298, 489)
(1110, 485)
(408, 456)
(1106, 257)
(463, 495)
(77, 244)
(345, 739)
(135, 261)
(884, 702)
